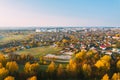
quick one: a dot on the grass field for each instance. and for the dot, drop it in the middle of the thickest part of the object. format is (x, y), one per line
(9, 38)
(40, 51)
(37, 52)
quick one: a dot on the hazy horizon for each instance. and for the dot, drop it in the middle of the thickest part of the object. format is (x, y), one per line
(51, 13)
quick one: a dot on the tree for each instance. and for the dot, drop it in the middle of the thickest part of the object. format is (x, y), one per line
(32, 78)
(99, 64)
(9, 78)
(60, 70)
(87, 69)
(12, 66)
(51, 67)
(80, 55)
(116, 76)
(105, 77)
(118, 65)
(2, 59)
(64, 41)
(34, 67)
(72, 68)
(104, 62)
(3, 73)
(26, 68)
(31, 68)
(106, 58)
(89, 53)
(1, 65)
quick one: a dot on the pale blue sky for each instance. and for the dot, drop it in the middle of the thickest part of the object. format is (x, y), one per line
(59, 12)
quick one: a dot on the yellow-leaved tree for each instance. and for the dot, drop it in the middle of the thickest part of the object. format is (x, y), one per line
(31, 68)
(118, 65)
(116, 76)
(64, 41)
(12, 66)
(106, 58)
(72, 66)
(86, 69)
(3, 73)
(99, 64)
(32, 78)
(1, 65)
(60, 70)
(26, 68)
(9, 78)
(89, 53)
(80, 55)
(51, 67)
(2, 59)
(104, 62)
(105, 77)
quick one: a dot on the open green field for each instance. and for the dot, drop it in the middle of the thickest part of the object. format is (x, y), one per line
(40, 51)
(9, 38)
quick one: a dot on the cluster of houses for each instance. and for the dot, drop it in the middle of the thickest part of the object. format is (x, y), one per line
(103, 40)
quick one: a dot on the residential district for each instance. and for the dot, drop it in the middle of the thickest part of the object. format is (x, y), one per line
(80, 53)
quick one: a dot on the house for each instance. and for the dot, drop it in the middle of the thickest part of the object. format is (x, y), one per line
(116, 50)
(116, 37)
(108, 52)
(103, 47)
(68, 53)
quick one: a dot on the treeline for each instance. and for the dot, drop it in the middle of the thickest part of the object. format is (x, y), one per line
(85, 65)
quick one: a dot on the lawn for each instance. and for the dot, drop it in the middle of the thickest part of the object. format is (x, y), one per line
(9, 38)
(40, 51)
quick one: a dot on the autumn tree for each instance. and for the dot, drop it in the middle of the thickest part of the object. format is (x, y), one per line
(2, 59)
(12, 66)
(89, 53)
(32, 78)
(60, 70)
(3, 73)
(51, 67)
(116, 76)
(99, 64)
(31, 68)
(64, 41)
(1, 65)
(9, 78)
(26, 68)
(86, 69)
(105, 77)
(80, 55)
(106, 58)
(118, 65)
(104, 62)
(72, 68)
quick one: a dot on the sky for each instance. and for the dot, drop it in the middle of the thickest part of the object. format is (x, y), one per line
(59, 13)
